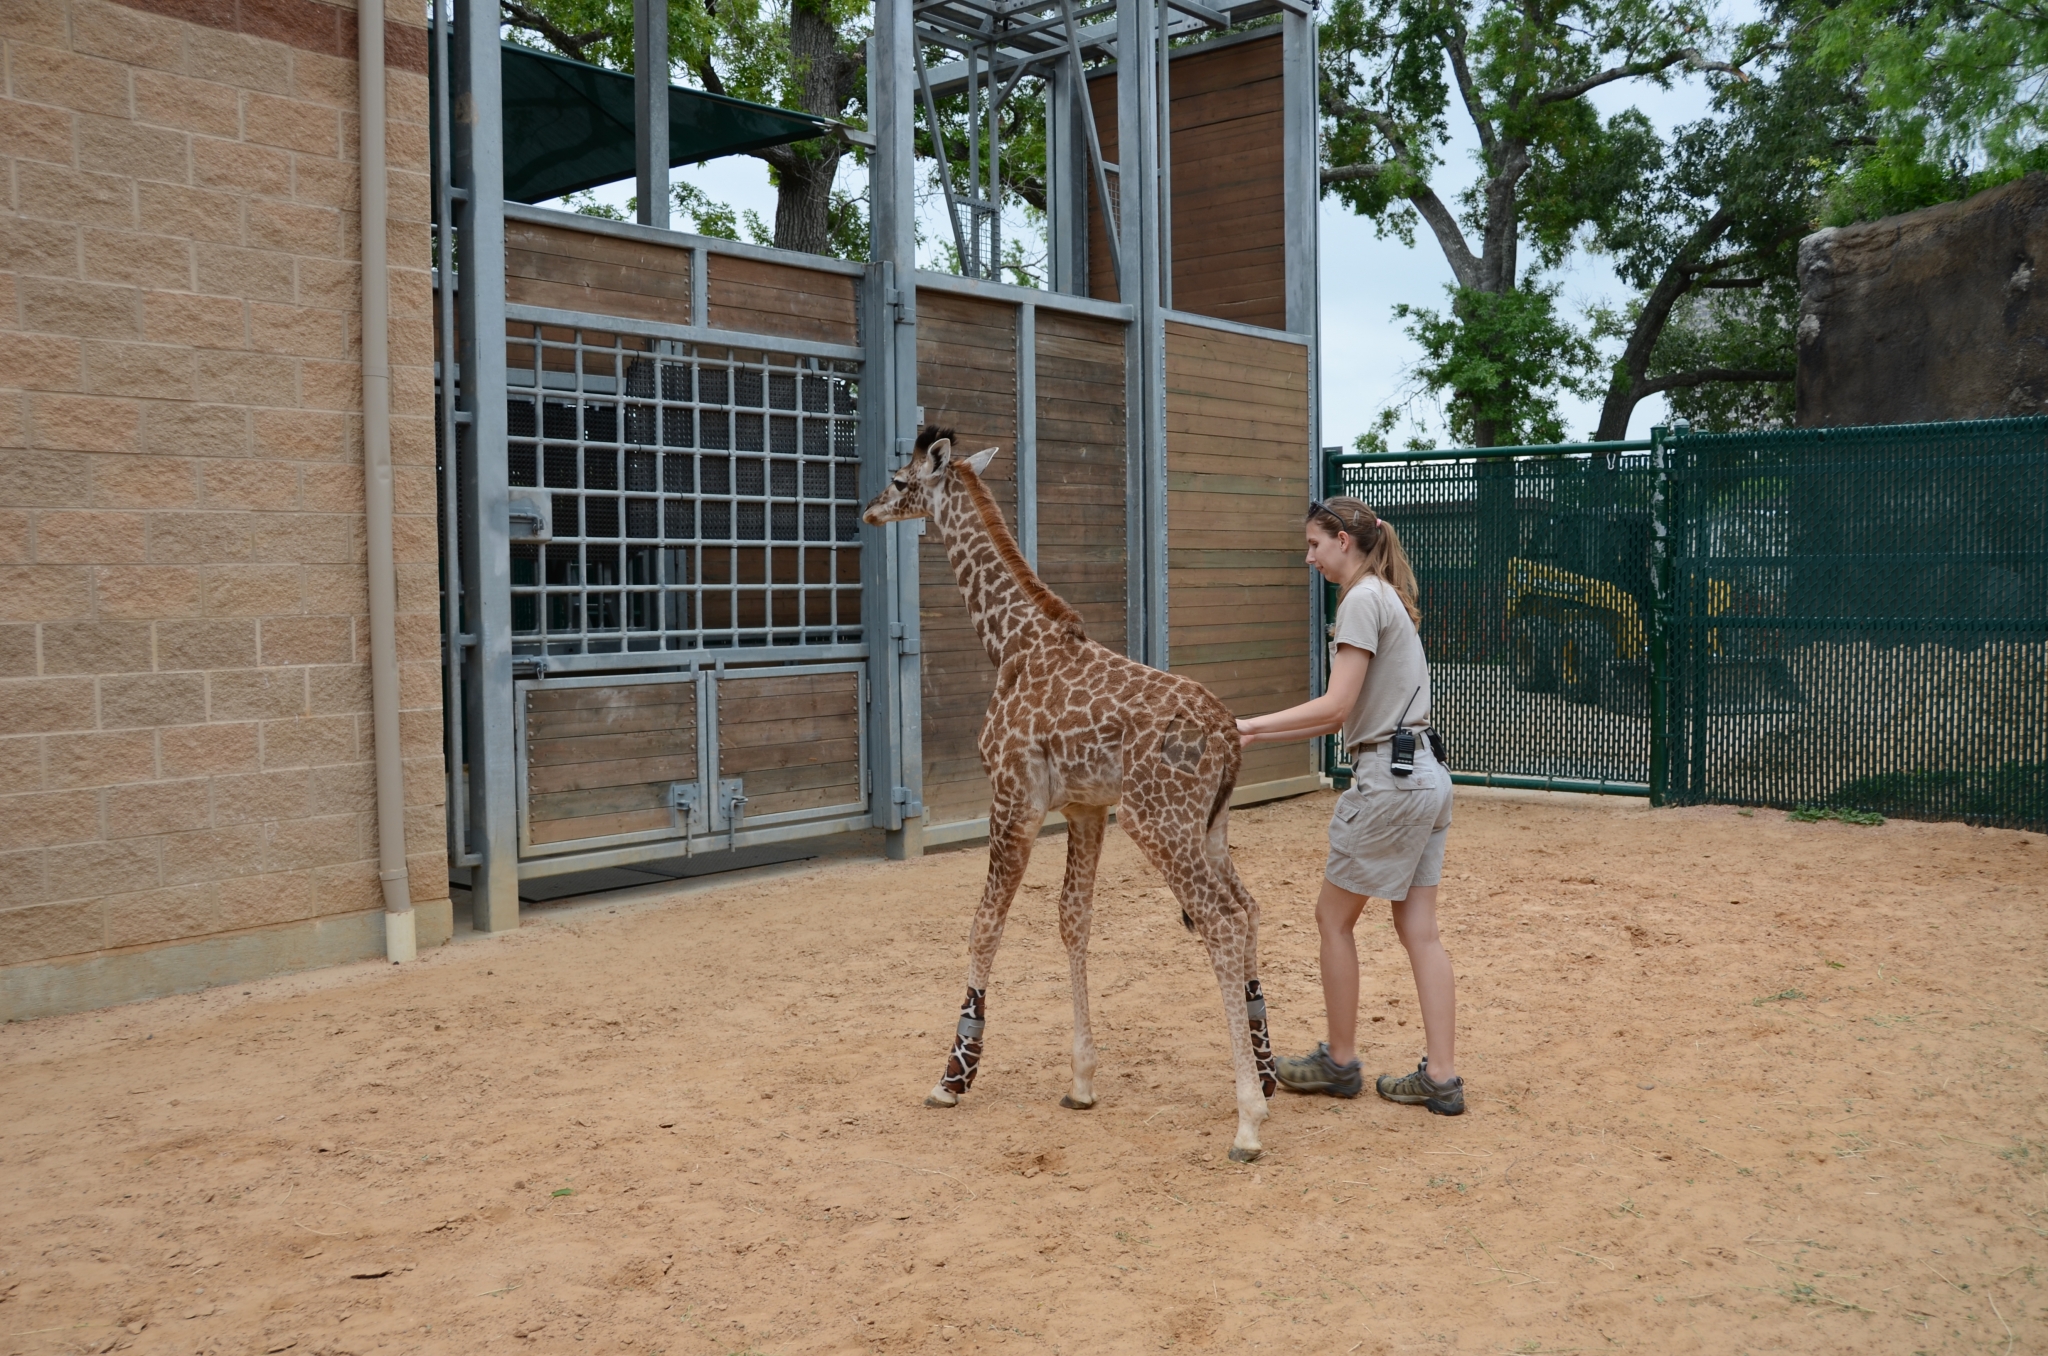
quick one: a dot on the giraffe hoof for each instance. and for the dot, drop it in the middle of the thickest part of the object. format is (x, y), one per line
(941, 1097)
(1238, 1155)
(1070, 1104)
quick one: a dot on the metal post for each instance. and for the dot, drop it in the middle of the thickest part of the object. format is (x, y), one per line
(889, 405)
(650, 110)
(1298, 135)
(1660, 622)
(453, 638)
(1066, 182)
(1137, 107)
(1027, 432)
(1165, 77)
(479, 159)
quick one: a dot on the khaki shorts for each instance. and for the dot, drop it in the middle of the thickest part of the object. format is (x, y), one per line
(1388, 832)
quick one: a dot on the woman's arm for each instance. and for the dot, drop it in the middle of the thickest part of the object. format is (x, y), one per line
(1321, 716)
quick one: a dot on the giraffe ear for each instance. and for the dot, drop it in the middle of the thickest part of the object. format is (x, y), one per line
(980, 460)
(941, 453)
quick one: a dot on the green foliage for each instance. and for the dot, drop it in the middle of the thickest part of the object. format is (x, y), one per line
(1502, 359)
(586, 204)
(2012, 793)
(1957, 87)
(1814, 814)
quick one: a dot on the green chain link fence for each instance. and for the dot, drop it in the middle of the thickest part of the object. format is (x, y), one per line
(1850, 618)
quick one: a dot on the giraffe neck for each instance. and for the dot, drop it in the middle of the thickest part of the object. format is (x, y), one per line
(1006, 599)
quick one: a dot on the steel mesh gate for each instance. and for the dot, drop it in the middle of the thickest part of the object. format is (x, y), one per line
(1843, 617)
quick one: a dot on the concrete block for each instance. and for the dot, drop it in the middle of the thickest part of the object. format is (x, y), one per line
(303, 331)
(102, 538)
(36, 131)
(296, 228)
(43, 705)
(147, 481)
(150, 808)
(18, 650)
(49, 248)
(45, 930)
(172, 914)
(206, 430)
(146, 592)
(246, 378)
(151, 699)
(308, 640)
(212, 644)
(44, 592)
(310, 741)
(48, 75)
(235, 271)
(57, 193)
(97, 647)
(256, 694)
(89, 310)
(189, 105)
(49, 988)
(208, 750)
(238, 60)
(301, 844)
(212, 854)
(134, 149)
(95, 870)
(249, 484)
(274, 897)
(260, 797)
(99, 759)
(251, 591)
(45, 818)
(83, 423)
(200, 538)
(146, 371)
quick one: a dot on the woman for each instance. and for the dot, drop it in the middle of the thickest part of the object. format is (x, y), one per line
(1387, 835)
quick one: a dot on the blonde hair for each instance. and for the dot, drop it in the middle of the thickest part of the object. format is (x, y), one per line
(1376, 540)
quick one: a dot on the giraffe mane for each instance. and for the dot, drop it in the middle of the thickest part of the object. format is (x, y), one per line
(1012, 557)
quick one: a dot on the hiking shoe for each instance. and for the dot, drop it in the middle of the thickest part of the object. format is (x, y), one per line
(1419, 1089)
(1317, 1072)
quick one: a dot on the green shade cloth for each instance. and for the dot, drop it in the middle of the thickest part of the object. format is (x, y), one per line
(569, 125)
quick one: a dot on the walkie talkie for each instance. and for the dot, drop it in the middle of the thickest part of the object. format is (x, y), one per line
(1402, 762)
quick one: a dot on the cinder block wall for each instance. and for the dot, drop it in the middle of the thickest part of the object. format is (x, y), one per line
(186, 785)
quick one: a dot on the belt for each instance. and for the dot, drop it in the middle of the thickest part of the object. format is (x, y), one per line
(1421, 744)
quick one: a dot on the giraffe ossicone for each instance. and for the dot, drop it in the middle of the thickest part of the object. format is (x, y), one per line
(1075, 726)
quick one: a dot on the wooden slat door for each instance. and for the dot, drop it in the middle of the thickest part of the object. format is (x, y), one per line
(600, 759)
(794, 741)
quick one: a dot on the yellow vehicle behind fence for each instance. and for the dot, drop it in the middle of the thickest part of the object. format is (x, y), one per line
(1585, 638)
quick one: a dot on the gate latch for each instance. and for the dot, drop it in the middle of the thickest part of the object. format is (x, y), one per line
(530, 517)
(732, 799)
(682, 810)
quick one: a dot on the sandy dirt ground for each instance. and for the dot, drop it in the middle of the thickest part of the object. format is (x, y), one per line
(1737, 1085)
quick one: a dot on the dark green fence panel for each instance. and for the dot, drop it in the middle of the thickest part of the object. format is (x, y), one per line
(1836, 617)
(1859, 618)
(1534, 567)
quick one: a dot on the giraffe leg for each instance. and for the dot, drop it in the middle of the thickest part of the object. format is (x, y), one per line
(1011, 831)
(1254, 995)
(1206, 896)
(1085, 824)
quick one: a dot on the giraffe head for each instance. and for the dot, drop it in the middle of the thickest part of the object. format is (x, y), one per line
(914, 484)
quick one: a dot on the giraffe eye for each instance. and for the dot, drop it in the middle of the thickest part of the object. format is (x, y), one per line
(900, 485)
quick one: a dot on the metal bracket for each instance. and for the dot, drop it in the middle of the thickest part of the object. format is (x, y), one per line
(912, 808)
(530, 517)
(732, 800)
(682, 809)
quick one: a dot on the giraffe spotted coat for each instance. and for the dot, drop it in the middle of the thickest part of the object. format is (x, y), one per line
(1075, 726)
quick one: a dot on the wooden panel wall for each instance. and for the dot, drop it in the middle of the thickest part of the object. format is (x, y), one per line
(575, 270)
(795, 740)
(786, 300)
(1237, 485)
(599, 760)
(1081, 468)
(1229, 186)
(572, 270)
(966, 378)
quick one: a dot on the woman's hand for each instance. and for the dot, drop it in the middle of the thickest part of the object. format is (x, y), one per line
(1246, 736)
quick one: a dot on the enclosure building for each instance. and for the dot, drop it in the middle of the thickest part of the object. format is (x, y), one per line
(611, 608)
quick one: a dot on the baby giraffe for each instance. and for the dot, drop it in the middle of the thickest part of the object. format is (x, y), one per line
(1075, 726)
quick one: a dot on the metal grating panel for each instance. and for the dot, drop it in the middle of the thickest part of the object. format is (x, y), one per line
(702, 497)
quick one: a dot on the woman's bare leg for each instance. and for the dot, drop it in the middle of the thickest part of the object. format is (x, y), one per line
(1435, 986)
(1336, 914)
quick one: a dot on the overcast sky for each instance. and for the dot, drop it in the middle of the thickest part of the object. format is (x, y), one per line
(1367, 356)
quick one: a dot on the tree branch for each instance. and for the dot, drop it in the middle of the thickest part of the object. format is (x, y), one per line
(1702, 376)
(1344, 174)
(1455, 44)
(569, 45)
(1690, 55)
(1729, 284)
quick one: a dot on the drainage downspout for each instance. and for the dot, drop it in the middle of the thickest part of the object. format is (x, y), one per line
(400, 939)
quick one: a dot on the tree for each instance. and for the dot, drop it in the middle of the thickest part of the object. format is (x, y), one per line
(1958, 90)
(1550, 167)
(805, 54)
(1709, 237)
